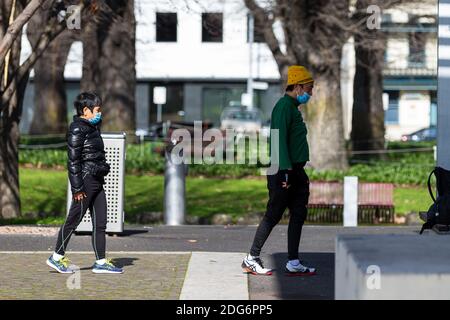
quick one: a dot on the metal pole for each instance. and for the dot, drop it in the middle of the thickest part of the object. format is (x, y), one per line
(251, 39)
(174, 191)
(159, 113)
(141, 142)
(443, 128)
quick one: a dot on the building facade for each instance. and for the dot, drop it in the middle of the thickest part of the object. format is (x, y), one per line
(199, 51)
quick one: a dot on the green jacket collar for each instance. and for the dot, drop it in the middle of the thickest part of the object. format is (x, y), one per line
(292, 100)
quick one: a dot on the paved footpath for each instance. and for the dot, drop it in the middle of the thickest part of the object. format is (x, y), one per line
(188, 262)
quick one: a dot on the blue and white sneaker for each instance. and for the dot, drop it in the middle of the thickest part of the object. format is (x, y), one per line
(62, 266)
(107, 267)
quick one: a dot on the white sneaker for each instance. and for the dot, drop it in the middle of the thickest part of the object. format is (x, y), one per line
(299, 270)
(254, 265)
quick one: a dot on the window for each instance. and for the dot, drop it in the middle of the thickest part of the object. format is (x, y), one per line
(258, 31)
(212, 27)
(215, 100)
(166, 27)
(417, 42)
(391, 114)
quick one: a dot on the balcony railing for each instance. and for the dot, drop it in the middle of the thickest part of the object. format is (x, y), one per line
(410, 71)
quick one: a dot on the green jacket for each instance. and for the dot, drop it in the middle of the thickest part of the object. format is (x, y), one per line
(293, 145)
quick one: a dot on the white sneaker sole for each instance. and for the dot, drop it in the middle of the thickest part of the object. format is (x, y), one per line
(312, 272)
(105, 272)
(56, 269)
(246, 269)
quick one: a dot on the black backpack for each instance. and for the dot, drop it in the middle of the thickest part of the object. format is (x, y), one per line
(439, 212)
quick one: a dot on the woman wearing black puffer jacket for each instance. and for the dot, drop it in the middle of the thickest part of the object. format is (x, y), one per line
(87, 168)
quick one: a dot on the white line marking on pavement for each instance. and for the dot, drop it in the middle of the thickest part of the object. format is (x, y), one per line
(215, 276)
(91, 252)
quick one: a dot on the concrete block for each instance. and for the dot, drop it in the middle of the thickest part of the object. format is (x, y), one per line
(385, 267)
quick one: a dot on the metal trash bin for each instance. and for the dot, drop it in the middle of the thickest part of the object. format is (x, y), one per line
(115, 148)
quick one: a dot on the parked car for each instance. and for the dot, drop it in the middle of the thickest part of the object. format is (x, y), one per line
(156, 130)
(241, 119)
(427, 134)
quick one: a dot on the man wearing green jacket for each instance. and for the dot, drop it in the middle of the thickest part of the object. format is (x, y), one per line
(289, 186)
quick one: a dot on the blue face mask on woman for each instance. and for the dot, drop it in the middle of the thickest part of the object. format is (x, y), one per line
(96, 119)
(304, 98)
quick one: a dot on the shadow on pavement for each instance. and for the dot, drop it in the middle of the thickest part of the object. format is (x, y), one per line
(124, 262)
(317, 287)
(118, 262)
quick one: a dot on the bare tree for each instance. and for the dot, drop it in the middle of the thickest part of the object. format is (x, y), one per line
(314, 35)
(10, 31)
(368, 129)
(109, 62)
(14, 15)
(50, 113)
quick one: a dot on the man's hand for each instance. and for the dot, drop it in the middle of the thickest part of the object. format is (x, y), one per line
(285, 182)
(78, 197)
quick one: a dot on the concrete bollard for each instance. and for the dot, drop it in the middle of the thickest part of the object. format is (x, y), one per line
(174, 192)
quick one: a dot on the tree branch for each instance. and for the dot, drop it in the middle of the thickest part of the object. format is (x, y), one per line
(262, 18)
(15, 29)
(51, 32)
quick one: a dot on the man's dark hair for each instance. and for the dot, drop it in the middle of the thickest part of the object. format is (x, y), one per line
(86, 100)
(290, 87)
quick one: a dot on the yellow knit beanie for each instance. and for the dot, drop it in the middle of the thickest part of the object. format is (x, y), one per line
(298, 75)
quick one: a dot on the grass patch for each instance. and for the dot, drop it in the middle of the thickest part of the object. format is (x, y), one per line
(410, 168)
(411, 199)
(43, 194)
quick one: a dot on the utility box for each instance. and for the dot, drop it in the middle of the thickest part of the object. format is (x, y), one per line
(115, 148)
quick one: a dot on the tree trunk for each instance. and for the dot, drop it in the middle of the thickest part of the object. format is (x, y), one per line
(50, 102)
(323, 116)
(9, 130)
(90, 79)
(109, 65)
(368, 129)
(12, 99)
(9, 156)
(119, 75)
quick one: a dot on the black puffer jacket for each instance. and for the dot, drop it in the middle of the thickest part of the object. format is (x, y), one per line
(86, 153)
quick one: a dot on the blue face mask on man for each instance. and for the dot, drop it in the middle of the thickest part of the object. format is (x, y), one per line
(304, 98)
(96, 119)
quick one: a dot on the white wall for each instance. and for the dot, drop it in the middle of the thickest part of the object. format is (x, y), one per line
(189, 57)
(397, 52)
(431, 53)
(413, 113)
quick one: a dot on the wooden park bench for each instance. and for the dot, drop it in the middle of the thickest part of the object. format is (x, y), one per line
(375, 203)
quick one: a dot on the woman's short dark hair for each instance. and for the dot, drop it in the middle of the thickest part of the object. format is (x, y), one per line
(88, 100)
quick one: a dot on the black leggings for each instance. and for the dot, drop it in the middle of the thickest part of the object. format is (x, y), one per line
(96, 202)
(296, 199)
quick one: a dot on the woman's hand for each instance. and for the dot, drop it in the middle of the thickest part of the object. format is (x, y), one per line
(78, 197)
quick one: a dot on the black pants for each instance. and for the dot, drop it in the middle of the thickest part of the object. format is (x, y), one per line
(96, 202)
(296, 199)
